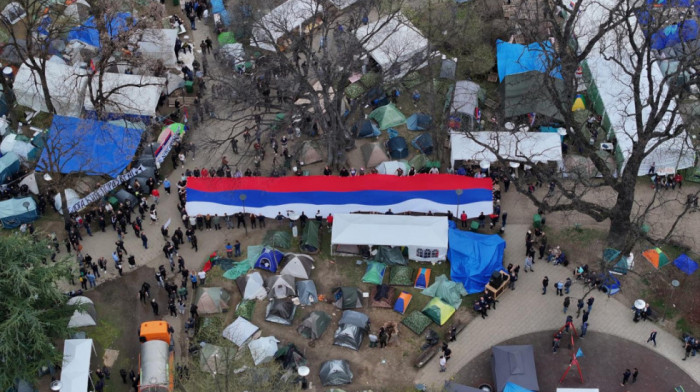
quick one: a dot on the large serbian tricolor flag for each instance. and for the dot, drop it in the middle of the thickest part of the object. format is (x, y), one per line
(270, 196)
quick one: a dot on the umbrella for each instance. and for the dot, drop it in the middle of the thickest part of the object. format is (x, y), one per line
(685, 264)
(639, 304)
(656, 257)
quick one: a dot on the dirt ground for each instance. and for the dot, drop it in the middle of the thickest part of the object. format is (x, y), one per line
(601, 367)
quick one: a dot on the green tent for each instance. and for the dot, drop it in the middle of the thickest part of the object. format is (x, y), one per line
(314, 324)
(278, 239)
(447, 290)
(375, 273)
(310, 242)
(401, 275)
(387, 116)
(438, 311)
(245, 309)
(226, 38)
(416, 322)
(390, 255)
(526, 93)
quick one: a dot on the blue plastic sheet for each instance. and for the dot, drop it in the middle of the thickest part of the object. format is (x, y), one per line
(515, 59)
(473, 257)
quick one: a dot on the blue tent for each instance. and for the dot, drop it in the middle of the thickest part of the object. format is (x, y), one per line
(473, 257)
(622, 264)
(217, 6)
(89, 146)
(610, 284)
(423, 143)
(418, 122)
(685, 264)
(9, 165)
(365, 128)
(398, 149)
(675, 34)
(515, 59)
(15, 212)
(87, 32)
(269, 260)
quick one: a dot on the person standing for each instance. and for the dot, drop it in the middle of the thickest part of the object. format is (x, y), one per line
(625, 377)
(579, 306)
(584, 328)
(154, 306)
(202, 277)
(545, 283)
(555, 342)
(443, 364)
(590, 304)
(193, 279)
(193, 311)
(528, 264)
(688, 349)
(567, 285)
(382, 337)
(635, 373)
(567, 302)
(652, 337)
(585, 316)
(463, 219)
(504, 217)
(144, 240)
(560, 288)
(172, 309)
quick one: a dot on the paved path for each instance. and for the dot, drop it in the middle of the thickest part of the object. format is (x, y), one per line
(526, 310)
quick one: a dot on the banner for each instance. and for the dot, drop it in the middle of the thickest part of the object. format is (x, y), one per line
(105, 189)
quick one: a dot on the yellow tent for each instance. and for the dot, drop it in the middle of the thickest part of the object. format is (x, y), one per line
(579, 103)
(438, 311)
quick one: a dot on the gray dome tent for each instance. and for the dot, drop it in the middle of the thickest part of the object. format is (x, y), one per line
(347, 297)
(423, 143)
(351, 330)
(86, 317)
(314, 324)
(280, 311)
(306, 291)
(335, 372)
(280, 286)
(252, 286)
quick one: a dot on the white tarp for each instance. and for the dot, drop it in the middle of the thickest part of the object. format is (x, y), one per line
(14, 12)
(254, 286)
(342, 4)
(415, 232)
(159, 44)
(395, 44)
(514, 146)
(609, 64)
(66, 86)
(263, 349)
(76, 365)
(10, 143)
(130, 94)
(240, 331)
(466, 98)
(283, 20)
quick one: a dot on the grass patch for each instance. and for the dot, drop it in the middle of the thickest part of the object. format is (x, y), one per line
(104, 334)
(683, 325)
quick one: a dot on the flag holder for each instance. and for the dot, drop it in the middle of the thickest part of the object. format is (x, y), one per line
(574, 360)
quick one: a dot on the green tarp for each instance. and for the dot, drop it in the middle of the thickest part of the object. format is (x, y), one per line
(354, 90)
(528, 92)
(401, 276)
(226, 38)
(447, 290)
(309, 239)
(244, 266)
(245, 309)
(277, 239)
(387, 116)
(416, 322)
(375, 273)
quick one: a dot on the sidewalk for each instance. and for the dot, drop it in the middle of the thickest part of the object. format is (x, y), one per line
(526, 311)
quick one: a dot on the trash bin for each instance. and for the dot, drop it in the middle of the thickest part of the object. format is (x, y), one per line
(176, 2)
(537, 221)
(189, 86)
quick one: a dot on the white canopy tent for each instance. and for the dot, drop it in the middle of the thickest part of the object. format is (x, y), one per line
(395, 44)
(66, 86)
(131, 94)
(76, 365)
(159, 44)
(514, 146)
(609, 65)
(414, 232)
(283, 20)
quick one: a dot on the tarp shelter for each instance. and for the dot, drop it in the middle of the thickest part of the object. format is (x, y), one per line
(425, 236)
(685, 264)
(66, 86)
(656, 257)
(158, 45)
(226, 37)
(402, 302)
(88, 146)
(335, 372)
(20, 145)
(351, 330)
(448, 68)
(297, 265)
(419, 122)
(373, 154)
(347, 297)
(309, 153)
(398, 149)
(75, 371)
(387, 116)
(14, 12)
(280, 286)
(423, 143)
(391, 167)
(395, 45)
(240, 331)
(466, 98)
(314, 324)
(263, 349)
(514, 59)
(578, 390)
(72, 197)
(134, 97)
(280, 311)
(674, 34)
(438, 311)
(88, 34)
(234, 56)
(610, 284)
(514, 364)
(213, 359)
(621, 264)
(290, 357)
(306, 291)
(269, 260)
(365, 128)
(511, 387)
(9, 166)
(422, 278)
(447, 290)
(536, 147)
(374, 273)
(15, 212)
(212, 300)
(381, 296)
(85, 317)
(310, 241)
(474, 257)
(287, 18)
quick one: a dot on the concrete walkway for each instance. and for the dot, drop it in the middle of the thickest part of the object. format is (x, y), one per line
(526, 310)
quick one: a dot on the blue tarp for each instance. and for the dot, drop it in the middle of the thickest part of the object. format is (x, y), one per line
(225, 18)
(15, 212)
(511, 387)
(217, 6)
(87, 32)
(418, 122)
(89, 146)
(515, 59)
(685, 264)
(675, 34)
(474, 257)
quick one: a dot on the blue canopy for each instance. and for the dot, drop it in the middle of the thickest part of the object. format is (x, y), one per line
(89, 146)
(15, 212)
(217, 6)
(674, 34)
(685, 264)
(474, 257)
(418, 122)
(515, 59)
(87, 32)
(269, 260)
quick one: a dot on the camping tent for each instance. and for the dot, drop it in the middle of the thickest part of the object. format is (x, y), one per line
(269, 260)
(66, 86)
(381, 296)
(347, 297)
(351, 330)
(310, 242)
(515, 364)
(513, 146)
(158, 44)
(373, 154)
(239, 331)
(609, 284)
(365, 128)
(280, 311)
(474, 257)
(88, 33)
(20, 145)
(75, 370)
(13, 12)
(9, 166)
(282, 20)
(134, 97)
(335, 372)
(278, 239)
(86, 317)
(438, 311)
(398, 149)
(314, 324)
(263, 349)
(447, 290)
(374, 273)
(309, 153)
(466, 98)
(297, 265)
(425, 236)
(252, 286)
(401, 304)
(212, 300)
(290, 356)
(280, 286)
(422, 278)
(622, 264)
(306, 291)
(387, 116)
(423, 143)
(391, 255)
(419, 122)
(391, 167)
(72, 197)
(15, 212)
(685, 264)
(213, 359)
